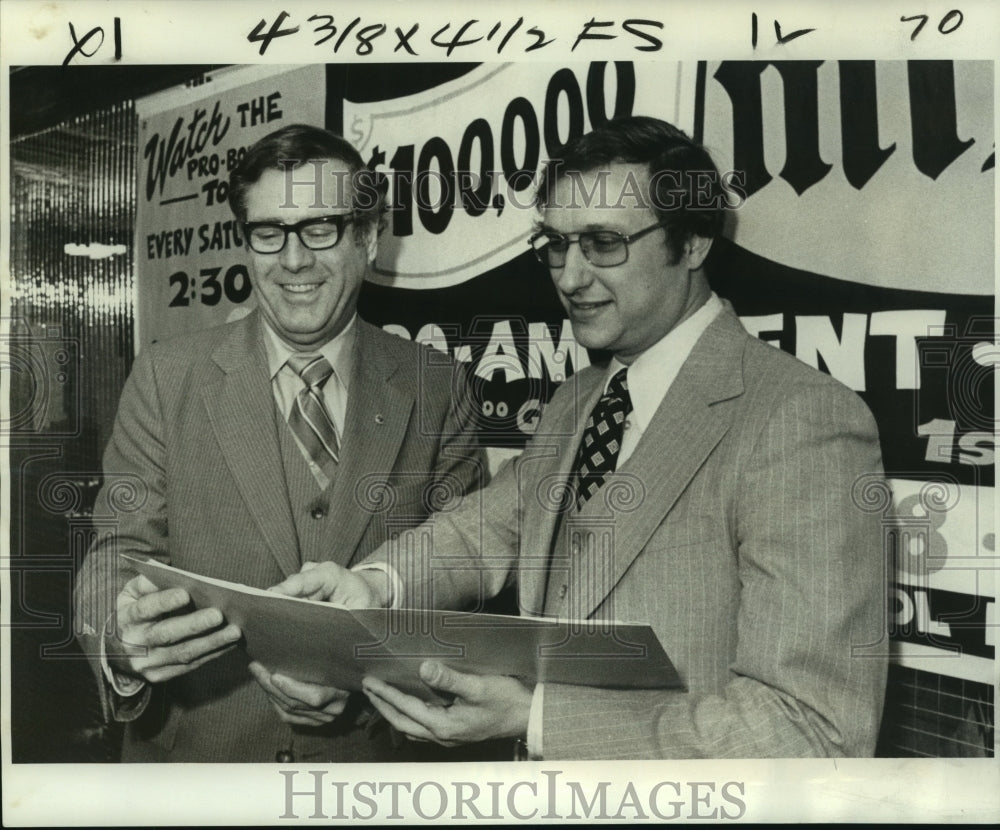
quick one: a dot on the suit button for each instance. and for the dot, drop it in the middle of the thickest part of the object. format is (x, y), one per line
(318, 512)
(562, 591)
(284, 756)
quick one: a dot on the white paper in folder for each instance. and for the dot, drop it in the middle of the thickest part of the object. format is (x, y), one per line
(321, 642)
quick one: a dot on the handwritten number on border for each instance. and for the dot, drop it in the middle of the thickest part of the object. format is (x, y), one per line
(275, 31)
(948, 24)
(80, 43)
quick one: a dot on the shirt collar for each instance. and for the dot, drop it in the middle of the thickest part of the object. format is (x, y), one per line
(339, 351)
(652, 372)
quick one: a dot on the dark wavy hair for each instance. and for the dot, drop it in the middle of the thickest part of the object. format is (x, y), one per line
(686, 191)
(292, 147)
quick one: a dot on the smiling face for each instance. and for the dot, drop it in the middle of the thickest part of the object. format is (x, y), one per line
(629, 307)
(307, 297)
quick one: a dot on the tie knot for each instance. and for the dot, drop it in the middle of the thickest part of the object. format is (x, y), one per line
(314, 370)
(618, 386)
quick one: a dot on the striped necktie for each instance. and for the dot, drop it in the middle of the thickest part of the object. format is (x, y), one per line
(309, 419)
(597, 457)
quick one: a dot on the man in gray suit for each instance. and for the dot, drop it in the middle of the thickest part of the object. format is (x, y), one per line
(296, 434)
(709, 485)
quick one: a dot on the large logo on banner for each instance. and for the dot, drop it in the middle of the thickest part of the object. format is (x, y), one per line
(462, 160)
(866, 248)
(871, 153)
(192, 270)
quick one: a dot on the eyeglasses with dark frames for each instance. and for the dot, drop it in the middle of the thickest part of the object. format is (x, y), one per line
(316, 233)
(605, 249)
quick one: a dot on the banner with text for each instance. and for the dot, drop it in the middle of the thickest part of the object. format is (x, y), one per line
(190, 260)
(863, 244)
(865, 247)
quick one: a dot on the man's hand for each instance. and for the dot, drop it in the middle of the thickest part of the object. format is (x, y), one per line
(490, 706)
(329, 582)
(157, 644)
(302, 704)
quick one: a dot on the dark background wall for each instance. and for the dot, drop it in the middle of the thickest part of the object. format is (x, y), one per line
(73, 135)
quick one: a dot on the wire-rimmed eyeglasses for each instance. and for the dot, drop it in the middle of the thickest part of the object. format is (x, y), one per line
(605, 249)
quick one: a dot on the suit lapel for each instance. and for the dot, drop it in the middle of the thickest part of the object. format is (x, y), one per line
(687, 426)
(241, 410)
(378, 413)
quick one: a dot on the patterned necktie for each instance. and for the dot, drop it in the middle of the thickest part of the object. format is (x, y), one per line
(602, 439)
(309, 419)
